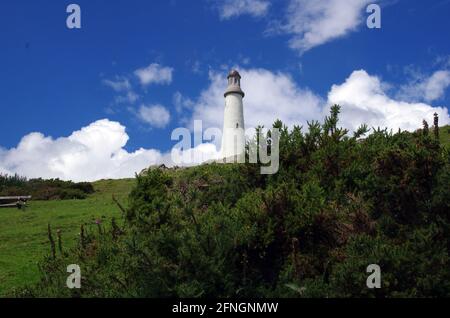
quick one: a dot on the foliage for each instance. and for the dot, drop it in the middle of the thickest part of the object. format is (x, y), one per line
(39, 189)
(338, 204)
(24, 233)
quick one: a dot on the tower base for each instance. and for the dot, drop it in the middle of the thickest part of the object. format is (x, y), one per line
(232, 159)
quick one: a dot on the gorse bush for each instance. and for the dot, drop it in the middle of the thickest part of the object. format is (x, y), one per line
(39, 189)
(337, 204)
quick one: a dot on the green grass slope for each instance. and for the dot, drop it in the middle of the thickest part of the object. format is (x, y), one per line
(445, 135)
(23, 234)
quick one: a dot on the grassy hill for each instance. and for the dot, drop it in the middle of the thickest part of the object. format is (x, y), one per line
(23, 234)
(445, 135)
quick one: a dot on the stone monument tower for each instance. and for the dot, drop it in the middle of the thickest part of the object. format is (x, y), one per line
(233, 134)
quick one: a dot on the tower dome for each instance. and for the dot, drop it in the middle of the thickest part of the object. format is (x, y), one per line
(234, 83)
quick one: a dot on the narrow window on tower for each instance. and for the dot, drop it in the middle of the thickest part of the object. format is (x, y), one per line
(237, 125)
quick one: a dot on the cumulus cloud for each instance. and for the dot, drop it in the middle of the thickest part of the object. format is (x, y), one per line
(233, 8)
(269, 96)
(97, 151)
(154, 74)
(426, 88)
(364, 100)
(312, 23)
(194, 156)
(275, 95)
(94, 152)
(3, 169)
(154, 115)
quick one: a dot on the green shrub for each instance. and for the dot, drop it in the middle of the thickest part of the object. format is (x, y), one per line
(39, 189)
(337, 205)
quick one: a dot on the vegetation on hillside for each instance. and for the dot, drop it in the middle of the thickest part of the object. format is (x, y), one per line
(39, 189)
(337, 204)
(445, 136)
(24, 237)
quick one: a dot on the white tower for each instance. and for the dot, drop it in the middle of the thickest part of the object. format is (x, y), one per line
(233, 134)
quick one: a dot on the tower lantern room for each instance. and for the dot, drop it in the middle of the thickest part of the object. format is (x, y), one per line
(234, 84)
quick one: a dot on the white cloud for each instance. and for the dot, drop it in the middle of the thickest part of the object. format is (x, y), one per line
(268, 96)
(120, 84)
(426, 88)
(94, 152)
(97, 150)
(195, 156)
(130, 97)
(312, 23)
(154, 115)
(3, 170)
(182, 103)
(196, 67)
(123, 86)
(364, 100)
(154, 74)
(233, 8)
(271, 96)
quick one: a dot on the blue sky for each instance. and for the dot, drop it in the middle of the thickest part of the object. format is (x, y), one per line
(56, 80)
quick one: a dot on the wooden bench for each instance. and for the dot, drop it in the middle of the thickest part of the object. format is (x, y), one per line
(14, 202)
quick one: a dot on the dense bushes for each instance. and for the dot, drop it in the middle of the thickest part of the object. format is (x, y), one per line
(338, 204)
(39, 189)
